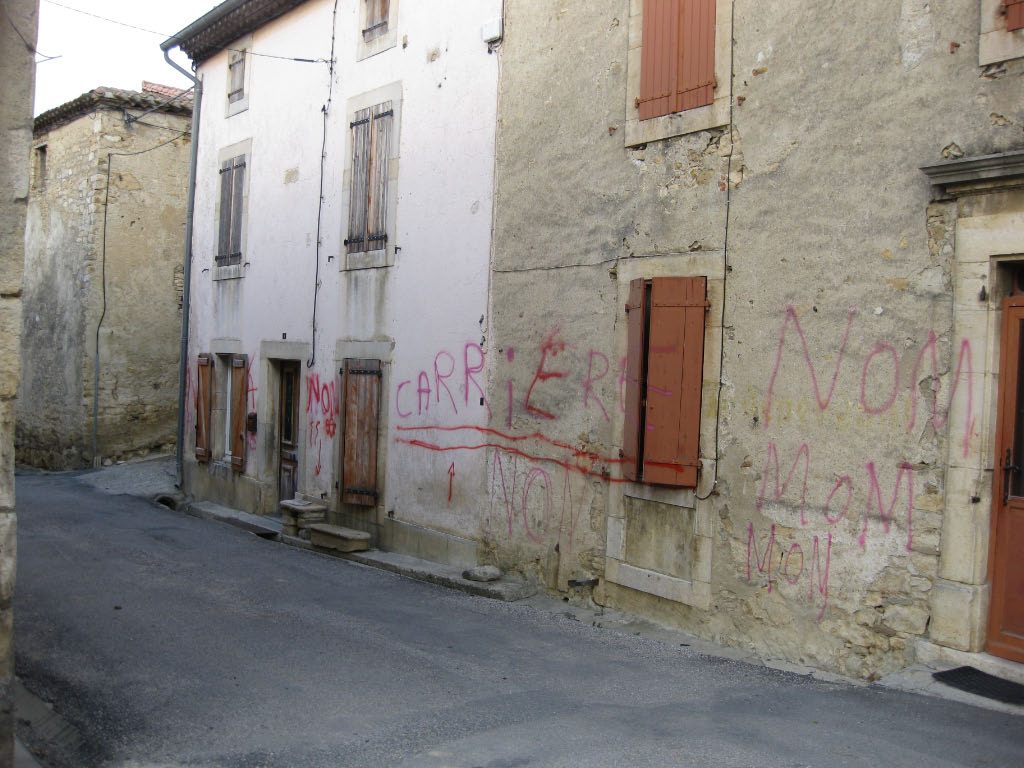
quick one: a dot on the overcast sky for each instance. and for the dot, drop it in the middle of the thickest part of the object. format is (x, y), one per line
(94, 52)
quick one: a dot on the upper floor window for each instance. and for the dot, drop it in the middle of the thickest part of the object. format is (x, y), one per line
(368, 199)
(377, 27)
(239, 76)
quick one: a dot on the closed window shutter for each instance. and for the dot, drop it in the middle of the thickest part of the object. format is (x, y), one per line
(632, 439)
(360, 127)
(203, 383)
(224, 237)
(362, 381)
(696, 81)
(236, 69)
(380, 151)
(1014, 14)
(238, 189)
(675, 372)
(376, 18)
(677, 56)
(239, 392)
(659, 48)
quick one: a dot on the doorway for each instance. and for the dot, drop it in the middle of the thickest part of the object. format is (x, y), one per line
(1006, 548)
(288, 429)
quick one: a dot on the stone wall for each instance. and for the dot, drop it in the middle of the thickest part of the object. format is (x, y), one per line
(844, 384)
(17, 72)
(65, 296)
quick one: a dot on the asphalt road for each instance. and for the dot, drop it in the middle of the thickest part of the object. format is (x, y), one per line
(167, 640)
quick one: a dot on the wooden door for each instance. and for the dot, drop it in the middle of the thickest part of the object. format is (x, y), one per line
(288, 429)
(1006, 549)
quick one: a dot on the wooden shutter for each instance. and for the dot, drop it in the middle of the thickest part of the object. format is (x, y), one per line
(203, 402)
(239, 395)
(224, 238)
(360, 127)
(658, 54)
(632, 433)
(1014, 14)
(368, 205)
(362, 379)
(376, 18)
(236, 79)
(377, 200)
(238, 190)
(677, 56)
(696, 81)
(675, 372)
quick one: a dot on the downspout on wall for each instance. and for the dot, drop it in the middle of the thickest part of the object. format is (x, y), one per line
(179, 451)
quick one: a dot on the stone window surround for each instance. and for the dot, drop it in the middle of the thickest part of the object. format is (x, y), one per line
(697, 590)
(233, 271)
(983, 242)
(384, 257)
(679, 123)
(388, 40)
(243, 44)
(995, 43)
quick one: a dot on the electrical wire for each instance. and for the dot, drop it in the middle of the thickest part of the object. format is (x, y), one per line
(103, 291)
(725, 256)
(167, 36)
(28, 46)
(323, 159)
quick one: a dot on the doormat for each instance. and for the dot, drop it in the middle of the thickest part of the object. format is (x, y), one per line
(982, 684)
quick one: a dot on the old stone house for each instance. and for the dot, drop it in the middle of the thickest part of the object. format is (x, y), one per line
(740, 353)
(103, 267)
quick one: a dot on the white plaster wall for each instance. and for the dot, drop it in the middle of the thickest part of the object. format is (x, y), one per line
(431, 300)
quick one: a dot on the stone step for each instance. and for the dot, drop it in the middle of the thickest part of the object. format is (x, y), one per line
(338, 538)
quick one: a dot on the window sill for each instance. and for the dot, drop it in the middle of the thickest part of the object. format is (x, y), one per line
(368, 260)
(713, 115)
(230, 272)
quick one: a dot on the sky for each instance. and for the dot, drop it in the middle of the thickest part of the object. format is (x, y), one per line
(92, 52)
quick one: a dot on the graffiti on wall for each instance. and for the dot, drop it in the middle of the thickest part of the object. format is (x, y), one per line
(322, 413)
(881, 485)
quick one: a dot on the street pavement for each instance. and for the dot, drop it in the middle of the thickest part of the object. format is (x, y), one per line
(165, 640)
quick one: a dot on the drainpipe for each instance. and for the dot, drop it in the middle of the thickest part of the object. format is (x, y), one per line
(197, 100)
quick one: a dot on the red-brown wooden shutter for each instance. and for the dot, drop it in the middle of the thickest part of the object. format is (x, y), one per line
(659, 48)
(675, 371)
(1014, 14)
(203, 382)
(362, 380)
(632, 433)
(696, 80)
(677, 57)
(239, 395)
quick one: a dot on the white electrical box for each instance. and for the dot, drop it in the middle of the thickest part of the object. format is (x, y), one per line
(492, 30)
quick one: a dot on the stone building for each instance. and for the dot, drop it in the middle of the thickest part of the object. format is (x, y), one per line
(17, 85)
(106, 220)
(742, 355)
(811, 464)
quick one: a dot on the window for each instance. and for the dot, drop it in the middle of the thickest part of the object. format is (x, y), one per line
(39, 171)
(232, 196)
(664, 376)
(238, 76)
(368, 200)
(377, 28)
(678, 56)
(204, 382)
(376, 19)
(677, 70)
(1002, 31)
(361, 384)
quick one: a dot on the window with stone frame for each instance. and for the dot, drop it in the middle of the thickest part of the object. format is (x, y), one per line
(232, 199)
(371, 136)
